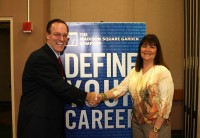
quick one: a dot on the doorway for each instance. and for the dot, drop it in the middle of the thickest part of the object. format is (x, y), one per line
(6, 71)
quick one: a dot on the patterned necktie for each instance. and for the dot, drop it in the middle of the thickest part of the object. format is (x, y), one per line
(61, 67)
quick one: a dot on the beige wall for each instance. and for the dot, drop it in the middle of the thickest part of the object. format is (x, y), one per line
(23, 44)
(164, 18)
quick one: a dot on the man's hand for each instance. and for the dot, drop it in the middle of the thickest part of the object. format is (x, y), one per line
(92, 99)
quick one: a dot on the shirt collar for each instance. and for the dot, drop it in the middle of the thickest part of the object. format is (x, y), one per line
(57, 55)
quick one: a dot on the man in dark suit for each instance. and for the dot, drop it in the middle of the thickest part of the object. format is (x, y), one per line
(45, 90)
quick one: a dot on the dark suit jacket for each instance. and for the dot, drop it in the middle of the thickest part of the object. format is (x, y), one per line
(44, 94)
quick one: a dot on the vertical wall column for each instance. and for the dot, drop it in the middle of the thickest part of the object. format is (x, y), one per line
(191, 69)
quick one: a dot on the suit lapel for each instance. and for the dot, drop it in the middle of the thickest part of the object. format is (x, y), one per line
(49, 51)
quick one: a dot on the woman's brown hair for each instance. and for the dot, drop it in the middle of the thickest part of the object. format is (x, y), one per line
(150, 39)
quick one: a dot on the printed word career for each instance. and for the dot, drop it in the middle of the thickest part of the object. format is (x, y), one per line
(113, 62)
(100, 119)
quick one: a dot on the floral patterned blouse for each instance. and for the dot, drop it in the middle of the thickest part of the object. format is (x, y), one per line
(152, 93)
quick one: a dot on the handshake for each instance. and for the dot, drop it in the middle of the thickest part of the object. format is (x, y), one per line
(93, 99)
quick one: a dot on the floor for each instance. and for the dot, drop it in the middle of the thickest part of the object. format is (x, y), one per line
(177, 134)
(6, 122)
(198, 130)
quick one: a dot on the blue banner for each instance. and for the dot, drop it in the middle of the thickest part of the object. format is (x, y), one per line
(97, 58)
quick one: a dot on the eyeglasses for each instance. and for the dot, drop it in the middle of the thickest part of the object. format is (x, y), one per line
(59, 35)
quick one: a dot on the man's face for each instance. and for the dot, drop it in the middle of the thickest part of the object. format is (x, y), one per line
(57, 39)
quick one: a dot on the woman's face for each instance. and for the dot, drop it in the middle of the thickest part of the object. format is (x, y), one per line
(148, 52)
